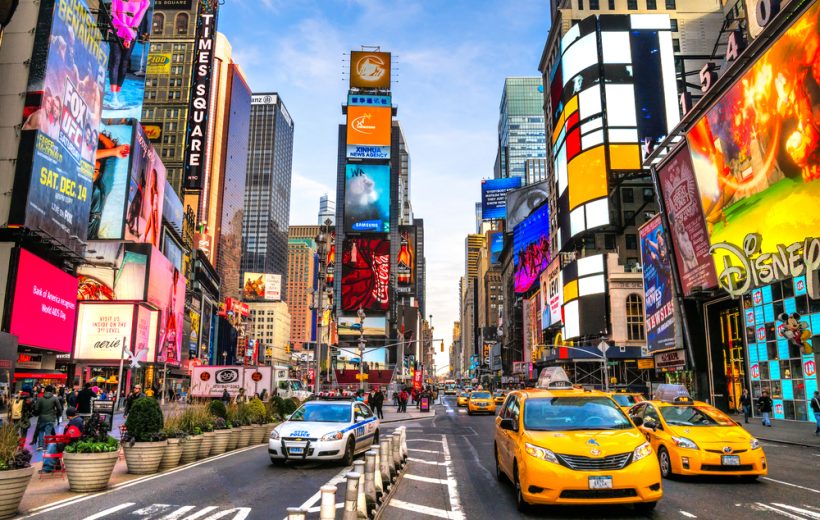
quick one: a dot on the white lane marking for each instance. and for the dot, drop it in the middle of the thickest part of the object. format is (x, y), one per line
(338, 478)
(779, 512)
(810, 514)
(423, 440)
(429, 462)
(178, 513)
(151, 510)
(462, 411)
(422, 451)
(425, 479)
(425, 510)
(109, 511)
(452, 487)
(790, 484)
(241, 514)
(687, 514)
(450, 410)
(202, 512)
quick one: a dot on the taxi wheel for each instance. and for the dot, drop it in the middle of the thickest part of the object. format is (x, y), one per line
(347, 458)
(665, 463)
(469, 412)
(499, 474)
(521, 504)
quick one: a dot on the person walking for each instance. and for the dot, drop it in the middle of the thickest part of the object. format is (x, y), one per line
(135, 394)
(815, 407)
(22, 410)
(764, 404)
(84, 400)
(241, 397)
(403, 397)
(47, 409)
(226, 397)
(746, 405)
(377, 401)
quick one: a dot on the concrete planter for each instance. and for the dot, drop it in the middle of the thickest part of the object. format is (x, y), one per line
(171, 455)
(220, 445)
(233, 440)
(244, 436)
(143, 458)
(258, 434)
(268, 429)
(89, 472)
(12, 487)
(205, 446)
(190, 448)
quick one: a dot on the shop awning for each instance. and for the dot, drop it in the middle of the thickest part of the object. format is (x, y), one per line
(39, 374)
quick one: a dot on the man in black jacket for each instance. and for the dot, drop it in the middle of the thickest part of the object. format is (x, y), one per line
(135, 394)
(84, 400)
(815, 407)
(764, 404)
(377, 401)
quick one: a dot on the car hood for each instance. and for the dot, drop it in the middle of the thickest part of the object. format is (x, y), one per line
(589, 443)
(707, 436)
(308, 428)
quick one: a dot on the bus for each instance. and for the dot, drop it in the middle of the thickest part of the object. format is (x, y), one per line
(450, 387)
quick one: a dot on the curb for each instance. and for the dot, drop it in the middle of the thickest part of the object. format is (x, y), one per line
(788, 443)
(408, 419)
(379, 511)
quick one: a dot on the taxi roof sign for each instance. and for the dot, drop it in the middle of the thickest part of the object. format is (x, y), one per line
(553, 377)
(672, 393)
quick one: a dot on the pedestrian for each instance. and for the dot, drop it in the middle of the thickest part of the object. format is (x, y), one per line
(74, 430)
(396, 398)
(226, 397)
(22, 410)
(377, 401)
(403, 397)
(764, 404)
(84, 400)
(71, 398)
(135, 394)
(47, 411)
(264, 394)
(815, 407)
(241, 397)
(746, 405)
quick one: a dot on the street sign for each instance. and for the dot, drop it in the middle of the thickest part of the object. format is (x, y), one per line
(361, 377)
(603, 346)
(646, 363)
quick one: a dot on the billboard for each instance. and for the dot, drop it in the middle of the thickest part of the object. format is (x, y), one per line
(146, 192)
(103, 331)
(370, 70)
(211, 381)
(406, 260)
(367, 198)
(125, 282)
(552, 294)
(366, 274)
(159, 64)
(261, 287)
(172, 211)
(494, 196)
(43, 305)
(369, 125)
(496, 246)
(357, 151)
(198, 123)
(166, 291)
(373, 326)
(755, 151)
(522, 201)
(369, 100)
(659, 303)
(686, 224)
(584, 294)
(531, 254)
(111, 179)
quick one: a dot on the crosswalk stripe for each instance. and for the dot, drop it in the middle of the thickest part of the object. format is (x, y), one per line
(240, 513)
(426, 510)
(178, 513)
(798, 510)
(151, 510)
(422, 451)
(204, 511)
(429, 462)
(423, 440)
(424, 479)
(109, 511)
(779, 512)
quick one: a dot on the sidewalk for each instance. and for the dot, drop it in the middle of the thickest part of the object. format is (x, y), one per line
(413, 413)
(787, 432)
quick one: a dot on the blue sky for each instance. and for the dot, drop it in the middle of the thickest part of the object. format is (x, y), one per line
(450, 61)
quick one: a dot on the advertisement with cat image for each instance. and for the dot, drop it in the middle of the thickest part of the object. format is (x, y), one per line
(367, 198)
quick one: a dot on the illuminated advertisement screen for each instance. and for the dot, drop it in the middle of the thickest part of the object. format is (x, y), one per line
(44, 304)
(494, 196)
(522, 201)
(755, 152)
(366, 274)
(166, 291)
(531, 249)
(146, 192)
(367, 198)
(111, 180)
(496, 247)
(104, 331)
(369, 100)
(584, 294)
(172, 211)
(261, 287)
(350, 326)
(658, 288)
(406, 261)
(370, 70)
(125, 282)
(369, 125)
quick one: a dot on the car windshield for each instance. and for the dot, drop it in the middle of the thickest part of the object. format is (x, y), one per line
(573, 413)
(625, 399)
(480, 395)
(314, 412)
(694, 416)
(296, 385)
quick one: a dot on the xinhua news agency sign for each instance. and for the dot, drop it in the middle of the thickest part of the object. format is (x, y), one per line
(745, 268)
(197, 131)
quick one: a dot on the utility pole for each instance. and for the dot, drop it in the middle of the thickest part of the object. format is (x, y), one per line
(319, 298)
(362, 317)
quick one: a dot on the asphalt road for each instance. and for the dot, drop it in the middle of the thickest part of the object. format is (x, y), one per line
(452, 475)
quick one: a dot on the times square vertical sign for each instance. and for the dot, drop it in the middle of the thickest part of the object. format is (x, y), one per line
(197, 131)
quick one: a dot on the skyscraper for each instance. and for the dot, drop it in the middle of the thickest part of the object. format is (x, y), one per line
(301, 279)
(267, 188)
(327, 210)
(520, 126)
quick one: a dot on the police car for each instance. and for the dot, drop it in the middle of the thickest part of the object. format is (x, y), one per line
(325, 430)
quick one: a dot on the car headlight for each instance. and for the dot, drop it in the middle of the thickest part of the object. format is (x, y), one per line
(274, 435)
(754, 444)
(332, 436)
(641, 451)
(540, 453)
(683, 442)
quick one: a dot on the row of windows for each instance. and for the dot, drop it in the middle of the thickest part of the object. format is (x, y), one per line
(632, 5)
(180, 24)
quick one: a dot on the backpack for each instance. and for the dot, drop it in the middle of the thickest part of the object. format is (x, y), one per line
(17, 409)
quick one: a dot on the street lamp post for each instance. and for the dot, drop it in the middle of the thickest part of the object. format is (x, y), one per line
(361, 314)
(319, 300)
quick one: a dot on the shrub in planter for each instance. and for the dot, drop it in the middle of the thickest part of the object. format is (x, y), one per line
(217, 409)
(175, 436)
(290, 405)
(90, 460)
(15, 471)
(206, 423)
(244, 419)
(234, 426)
(222, 434)
(258, 417)
(189, 425)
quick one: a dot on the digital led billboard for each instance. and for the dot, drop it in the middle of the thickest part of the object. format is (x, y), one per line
(166, 290)
(406, 261)
(367, 198)
(111, 180)
(369, 125)
(496, 247)
(366, 275)
(373, 326)
(584, 295)
(522, 201)
(531, 254)
(494, 196)
(658, 287)
(261, 287)
(104, 331)
(146, 192)
(370, 70)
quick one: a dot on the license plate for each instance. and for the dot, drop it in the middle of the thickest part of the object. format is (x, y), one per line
(600, 482)
(296, 451)
(730, 460)
(482, 404)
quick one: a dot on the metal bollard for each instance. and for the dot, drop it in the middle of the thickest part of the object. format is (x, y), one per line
(404, 452)
(377, 473)
(389, 457)
(369, 480)
(351, 497)
(296, 513)
(397, 451)
(328, 507)
(384, 465)
(361, 498)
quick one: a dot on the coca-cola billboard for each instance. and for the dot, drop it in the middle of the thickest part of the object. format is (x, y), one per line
(366, 274)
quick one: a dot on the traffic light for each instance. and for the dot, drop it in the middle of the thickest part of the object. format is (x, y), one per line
(287, 348)
(442, 345)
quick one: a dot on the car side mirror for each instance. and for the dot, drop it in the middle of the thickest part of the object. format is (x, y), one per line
(288, 416)
(359, 418)
(508, 424)
(637, 420)
(652, 424)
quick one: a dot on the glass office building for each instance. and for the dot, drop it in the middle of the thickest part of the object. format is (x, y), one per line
(521, 133)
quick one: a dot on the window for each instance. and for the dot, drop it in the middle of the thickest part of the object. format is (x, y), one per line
(670, 4)
(629, 218)
(673, 23)
(594, 4)
(627, 195)
(648, 195)
(611, 5)
(581, 4)
(676, 44)
(609, 241)
(181, 23)
(634, 318)
(652, 4)
(632, 5)
(158, 23)
(631, 241)
(589, 242)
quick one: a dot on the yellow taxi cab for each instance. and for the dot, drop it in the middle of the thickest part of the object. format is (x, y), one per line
(480, 401)
(567, 446)
(499, 396)
(462, 399)
(626, 400)
(694, 438)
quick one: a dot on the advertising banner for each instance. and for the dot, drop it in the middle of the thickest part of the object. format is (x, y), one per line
(521, 202)
(369, 125)
(494, 196)
(211, 381)
(198, 127)
(103, 329)
(146, 192)
(755, 152)
(368, 100)
(43, 305)
(686, 223)
(261, 287)
(357, 151)
(367, 198)
(145, 334)
(159, 64)
(370, 70)
(366, 274)
(671, 361)
(111, 179)
(373, 326)
(531, 248)
(406, 261)
(658, 288)
(166, 290)
(554, 297)
(126, 282)
(172, 210)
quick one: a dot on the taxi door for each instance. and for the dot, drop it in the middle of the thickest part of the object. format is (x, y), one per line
(656, 436)
(508, 440)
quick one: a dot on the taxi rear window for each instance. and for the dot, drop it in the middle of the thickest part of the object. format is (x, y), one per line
(573, 413)
(480, 395)
(694, 416)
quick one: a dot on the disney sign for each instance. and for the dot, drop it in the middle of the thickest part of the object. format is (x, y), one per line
(747, 267)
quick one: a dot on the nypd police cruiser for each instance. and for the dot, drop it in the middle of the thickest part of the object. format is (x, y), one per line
(325, 430)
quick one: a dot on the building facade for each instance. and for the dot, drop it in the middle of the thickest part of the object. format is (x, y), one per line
(520, 126)
(327, 210)
(269, 325)
(300, 287)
